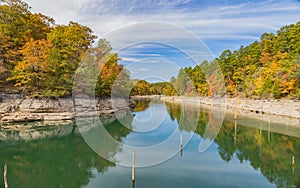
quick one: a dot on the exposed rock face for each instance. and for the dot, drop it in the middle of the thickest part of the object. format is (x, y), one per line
(26, 110)
(290, 108)
(279, 111)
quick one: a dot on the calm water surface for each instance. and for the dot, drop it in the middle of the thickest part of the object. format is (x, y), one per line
(246, 153)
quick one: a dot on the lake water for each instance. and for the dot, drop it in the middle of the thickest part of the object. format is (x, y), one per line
(245, 153)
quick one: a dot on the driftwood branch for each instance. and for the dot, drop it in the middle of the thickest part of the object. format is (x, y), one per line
(5, 178)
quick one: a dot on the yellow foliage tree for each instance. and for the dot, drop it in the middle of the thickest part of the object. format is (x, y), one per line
(32, 70)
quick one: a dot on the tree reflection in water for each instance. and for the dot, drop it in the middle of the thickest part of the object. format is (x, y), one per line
(271, 153)
(65, 161)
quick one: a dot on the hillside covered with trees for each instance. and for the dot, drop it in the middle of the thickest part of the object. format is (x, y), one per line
(39, 57)
(266, 68)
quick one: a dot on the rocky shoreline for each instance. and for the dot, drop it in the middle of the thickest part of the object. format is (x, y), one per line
(278, 111)
(14, 110)
(145, 96)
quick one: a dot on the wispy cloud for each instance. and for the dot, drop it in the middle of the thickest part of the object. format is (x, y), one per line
(143, 69)
(127, 59)
(220, 24)
(153, 68)
(206, 19)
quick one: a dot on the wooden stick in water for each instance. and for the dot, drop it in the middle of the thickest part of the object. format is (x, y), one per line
(133, 164)
(293, 161)
(181, 144)
(5, 178)
(293, 164)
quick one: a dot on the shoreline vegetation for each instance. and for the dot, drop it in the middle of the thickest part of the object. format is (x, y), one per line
(268, 68)
(62, 109)
(39, 58)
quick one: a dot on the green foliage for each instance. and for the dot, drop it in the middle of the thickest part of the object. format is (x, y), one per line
(70, 43)
(41, 58)
(141, 87)
(276, 90)
(38, 56)
(169, 90)
(265, 68)
(18, 26)
(181, 82)
(104, 45)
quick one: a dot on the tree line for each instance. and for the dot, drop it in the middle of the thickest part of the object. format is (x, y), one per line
(39, 57)
(268, 68)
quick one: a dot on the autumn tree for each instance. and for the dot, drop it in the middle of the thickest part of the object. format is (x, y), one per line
(33, 71)
(141, 87)
(19, 26)
(70, 42)
(265, 68)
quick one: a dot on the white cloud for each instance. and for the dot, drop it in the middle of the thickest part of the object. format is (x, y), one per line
(62, 11)
(130, 59)
(212, 21)
(222, 26)
(144, 69)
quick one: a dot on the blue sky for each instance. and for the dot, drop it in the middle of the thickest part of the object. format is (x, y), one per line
(219, 25)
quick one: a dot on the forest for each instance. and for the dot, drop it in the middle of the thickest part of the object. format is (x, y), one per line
(268, 68)
(39, 58)
(268, 152)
